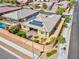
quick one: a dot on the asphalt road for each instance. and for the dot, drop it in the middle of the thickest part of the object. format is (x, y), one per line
(74, 41)
(6, 55)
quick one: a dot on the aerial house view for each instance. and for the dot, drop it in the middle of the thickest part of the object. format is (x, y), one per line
(36, 29)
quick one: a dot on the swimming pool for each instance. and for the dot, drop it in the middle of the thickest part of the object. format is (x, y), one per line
(2, 25)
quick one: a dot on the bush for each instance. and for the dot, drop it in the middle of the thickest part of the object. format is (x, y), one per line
(36, 41)
(67, 19)
(36, 37)
(61, 39)
(50, 42)
(36, 6)
(51, 53)
(14, 30)
(42, 11)
(44, 6)
(21, 34)
(71, 3)
(65, 24)
(60, 11)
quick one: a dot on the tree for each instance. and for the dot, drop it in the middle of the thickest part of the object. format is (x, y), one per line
(60, 11)
(67, 19)
(44, 6)
(61, 39)
(44, 0)
(71, 3)
(1, 1)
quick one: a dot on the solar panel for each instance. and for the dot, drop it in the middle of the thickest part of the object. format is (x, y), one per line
(37, 23)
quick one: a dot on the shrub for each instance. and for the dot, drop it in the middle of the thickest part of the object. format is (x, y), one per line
(36, 41)
(71, 3)
(44, 5)
(60, 11)
(61, 39)
(42, 11)
(51, 53)
(65, 24)
(44, 0)
(14, 30)
(36, 6)
(36, 37)
(50, 42)
(67, 19)
(21, 34)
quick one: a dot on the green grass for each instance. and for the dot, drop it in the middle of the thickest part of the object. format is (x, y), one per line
(21, 34)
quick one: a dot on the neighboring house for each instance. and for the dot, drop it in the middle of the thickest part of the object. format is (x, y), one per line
(20, 15)
(6, 9)
(62, 4)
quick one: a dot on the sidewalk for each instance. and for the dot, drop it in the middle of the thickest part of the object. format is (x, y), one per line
(63, 54)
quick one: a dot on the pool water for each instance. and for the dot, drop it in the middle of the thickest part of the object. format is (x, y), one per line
(2, 25)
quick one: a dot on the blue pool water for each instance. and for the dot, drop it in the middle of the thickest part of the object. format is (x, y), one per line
(2, 25)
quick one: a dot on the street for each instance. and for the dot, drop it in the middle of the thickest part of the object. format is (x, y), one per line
(6, 55)
(74, 41)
